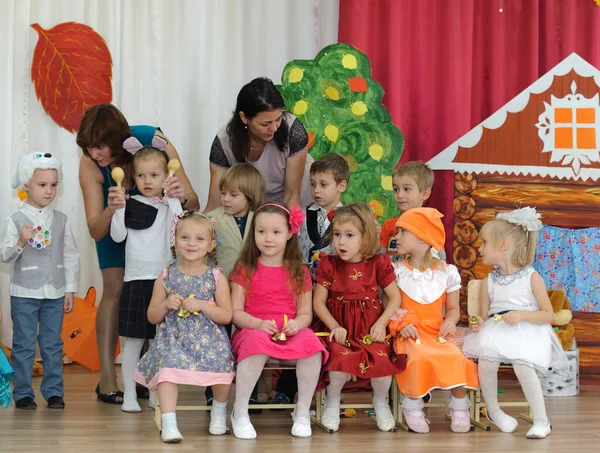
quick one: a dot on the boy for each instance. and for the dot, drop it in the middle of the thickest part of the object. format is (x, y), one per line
(329, 178)
(412, 183)
(39, 241)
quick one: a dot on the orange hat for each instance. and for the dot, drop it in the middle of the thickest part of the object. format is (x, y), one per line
(426, 224)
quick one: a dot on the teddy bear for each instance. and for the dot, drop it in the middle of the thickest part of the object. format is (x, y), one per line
(562, 317)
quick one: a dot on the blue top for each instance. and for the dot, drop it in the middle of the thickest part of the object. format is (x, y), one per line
(110, 253)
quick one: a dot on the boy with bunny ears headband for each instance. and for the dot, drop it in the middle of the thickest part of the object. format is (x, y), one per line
(40, 243)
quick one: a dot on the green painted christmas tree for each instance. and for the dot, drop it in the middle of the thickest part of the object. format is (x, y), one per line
(340, 106)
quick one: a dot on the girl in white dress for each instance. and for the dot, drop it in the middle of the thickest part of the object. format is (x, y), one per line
(518, 313)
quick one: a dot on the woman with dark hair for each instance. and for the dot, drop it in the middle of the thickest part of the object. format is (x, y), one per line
(262, 134)
(102, 131)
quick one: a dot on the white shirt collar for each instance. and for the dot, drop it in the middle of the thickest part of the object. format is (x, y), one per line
(29, 209)
(316, 207)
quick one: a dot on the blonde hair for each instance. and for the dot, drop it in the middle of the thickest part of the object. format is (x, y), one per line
(208, 224)
(151, 153)
(246, 179)
(524, 242)
(417, 170)
(361, 216)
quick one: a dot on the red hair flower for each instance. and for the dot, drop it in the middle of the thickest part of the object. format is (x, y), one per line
(296, 218)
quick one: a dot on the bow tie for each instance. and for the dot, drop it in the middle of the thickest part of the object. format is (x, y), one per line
(158, 200)
(427, 275)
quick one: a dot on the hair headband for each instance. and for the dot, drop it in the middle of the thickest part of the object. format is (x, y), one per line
(132, 145)
(296, 215)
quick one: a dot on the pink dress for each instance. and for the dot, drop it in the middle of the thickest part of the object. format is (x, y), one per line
(269, 296)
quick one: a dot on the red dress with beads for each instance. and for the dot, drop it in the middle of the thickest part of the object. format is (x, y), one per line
(353, 300)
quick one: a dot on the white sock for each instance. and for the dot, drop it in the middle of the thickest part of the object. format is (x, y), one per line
(414, 404)
(307, 372)
(219, 408)
(532, 389)
(247, 374)
(169, 420)
(381, 388)
(131, 356)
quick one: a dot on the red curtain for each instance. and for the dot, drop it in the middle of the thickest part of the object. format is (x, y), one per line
(447, 65)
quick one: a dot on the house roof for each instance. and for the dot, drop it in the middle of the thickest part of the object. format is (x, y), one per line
(524, 136)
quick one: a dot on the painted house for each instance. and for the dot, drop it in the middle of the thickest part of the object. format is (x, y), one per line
(541, 149)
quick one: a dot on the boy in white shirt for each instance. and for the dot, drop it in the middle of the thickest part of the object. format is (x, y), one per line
(40, 243)
(145, 222)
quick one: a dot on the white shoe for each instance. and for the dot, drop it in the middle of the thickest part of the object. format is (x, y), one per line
(242, 428)
(331, 418)
(131, 406)
(301, 427)
(384, 417)
(506, 423)
(218, 423)
(539, 431)
(171, 435)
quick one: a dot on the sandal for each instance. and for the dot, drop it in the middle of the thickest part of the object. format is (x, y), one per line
(110, 398)
(142, 392)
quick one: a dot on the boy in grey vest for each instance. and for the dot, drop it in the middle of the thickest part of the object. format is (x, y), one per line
(39, 241)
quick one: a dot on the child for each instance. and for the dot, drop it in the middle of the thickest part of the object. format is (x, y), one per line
(329, 178)
(40, 242)
(348, 306)
(271, 293)
(242, 191)
(517, 329)
(412, 183)
(426, 322)
(145, 222)
(191, 305)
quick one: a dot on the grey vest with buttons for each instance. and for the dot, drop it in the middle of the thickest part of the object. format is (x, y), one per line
(36, 268)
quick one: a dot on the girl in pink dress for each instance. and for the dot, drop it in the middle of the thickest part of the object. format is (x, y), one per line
(271, 293)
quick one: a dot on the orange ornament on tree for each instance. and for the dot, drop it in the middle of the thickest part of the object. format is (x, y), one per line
(71, 71)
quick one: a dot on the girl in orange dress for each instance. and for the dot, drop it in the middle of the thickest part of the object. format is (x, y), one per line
(427, 285)
(346, 300)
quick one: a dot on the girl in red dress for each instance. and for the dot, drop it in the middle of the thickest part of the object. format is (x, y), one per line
(346, 300)
(271, 293)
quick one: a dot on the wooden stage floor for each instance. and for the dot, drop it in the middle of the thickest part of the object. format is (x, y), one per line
(87, 425)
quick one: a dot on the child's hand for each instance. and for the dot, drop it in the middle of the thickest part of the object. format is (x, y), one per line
(194, 305)
(173, 187)
(513, 317)
(173, 302)
(26, 234)
(291, 328)
(476, 327)
(116, 198)
(377, 333)
(69, 302)
(339, 335)
(447, 329)
(410, 331)
(268, 326)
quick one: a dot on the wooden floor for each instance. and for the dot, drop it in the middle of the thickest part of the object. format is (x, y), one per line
(90, 426)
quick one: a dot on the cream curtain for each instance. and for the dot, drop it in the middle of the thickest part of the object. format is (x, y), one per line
(176, 63)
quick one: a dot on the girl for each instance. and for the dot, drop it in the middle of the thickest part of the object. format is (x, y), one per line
(519, 312)
(145, 222)
(429, 287)
(272, 308)
(347, 303)
(242, 191)
(191, 305)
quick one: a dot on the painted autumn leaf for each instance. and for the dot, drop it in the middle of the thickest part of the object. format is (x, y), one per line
(71, 71)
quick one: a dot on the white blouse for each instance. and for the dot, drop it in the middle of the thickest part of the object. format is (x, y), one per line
(428, 286)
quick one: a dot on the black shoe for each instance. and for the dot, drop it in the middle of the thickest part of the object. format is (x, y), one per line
(142, 392)
(427, 398)
(27, 404)
(56, 402)
(110, 398)
(254, 411)
(280, 398)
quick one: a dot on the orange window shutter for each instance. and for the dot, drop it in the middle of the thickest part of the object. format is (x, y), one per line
(585, 116)
(562, 115)
(586, 138)
(563, 138)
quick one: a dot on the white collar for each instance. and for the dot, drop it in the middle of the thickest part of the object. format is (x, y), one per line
(315, 206)
(28, 209)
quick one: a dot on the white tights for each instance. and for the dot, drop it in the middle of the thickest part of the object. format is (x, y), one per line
(381, 387)
(532, 389)
(249, 370)
(131, 356)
